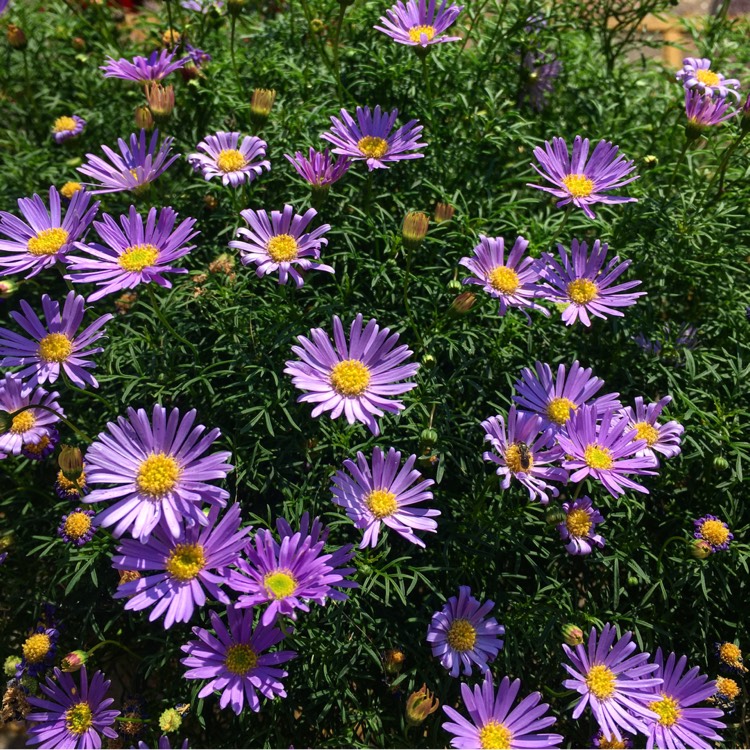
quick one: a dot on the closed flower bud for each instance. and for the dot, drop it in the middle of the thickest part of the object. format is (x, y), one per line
(444, 212)
(79, 43)
(171, 38)
(317, 25)
(70, 462)
(455, 286)
(414, 229)
(210, 202)
(73, 661)
(700, 549)
(572, 635)
(160, 101)
(143, 118)
(462, 304)
(16, 37)
(428, 361)
(419, 705)
(393, 661)
(555, 515)
(170, 721)
(631, 582)
(261, 104)
(650, 161)
(9, 665)
(7, 287)
(235, 7)
(428, 438)
(720, 463)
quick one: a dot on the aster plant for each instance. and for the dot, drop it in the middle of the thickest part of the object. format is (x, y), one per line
(143, 70)
(319, 169)
(696, 74)
(663, 438)
(77, 528)
(418, 23)
(222, 155)
(705, 111)
(38, 450)
(714, 532)
(578, 530)
(66, 127)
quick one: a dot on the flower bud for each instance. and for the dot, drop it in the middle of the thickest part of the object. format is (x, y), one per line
(428, 438)
(555, 515)
(650, 161)
(572, 635)
(700, 549)
(210, 202)
(455, 286)
(261, 104)
(235, 7)
(171, 38)
(414, 229)
(16, 37)
(429, 361)
(170, 721)
(144, 120)
(444, 212)
(393, 661)
(419, 705)
(9, 665)
(74, 661)
(160, 101)
(7, 287)
(317, 26)
(70, 462)
(631, 582)
(720, 463)
(79, 43)
(462, 304)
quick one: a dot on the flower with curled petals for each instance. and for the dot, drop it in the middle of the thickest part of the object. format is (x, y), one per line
(153, 69)
(696, 74)
(660, 437)
(222, 155)
(578, 530)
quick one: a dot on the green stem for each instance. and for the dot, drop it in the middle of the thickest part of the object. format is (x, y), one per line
(159, 314)
(113, 643)
(724, 164)
(316, 41)
(678, 163)
(473, 23)
(562, 225)
(78, 432)
(69, 384)
(407, 307)
(169, 17)
(427, 83)
(665, 545)
(578, 490)
(231, 51)
(336, 60)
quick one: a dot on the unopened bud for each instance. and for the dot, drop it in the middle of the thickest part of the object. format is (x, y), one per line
(720, 463)
(7, 287)
(572, 635)
(160, 101)
(210, 202)
(415, 229)
(631, 582)
(428, 438)
(235, 7)
(650, 161)
(419, 705)
(462, 304)
(444, 212)
(79, 43)
(144, 120)
(555, 515)
(171, 38)
(700, 549)
(74, 661)
(455, 286)
(16, 37)
(429, 361)
(393, 661)
(70, 462)
(261, 104)
(170, 721)
(9, 665)
(317, 26)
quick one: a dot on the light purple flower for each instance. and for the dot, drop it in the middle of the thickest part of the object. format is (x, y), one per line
(419, 24)
(279, 242)
(495, 723)
(138, 164)
(31, 425)
(224, 156)
(705, 111)
(288, 575)
(613, 681)
(145, 71)
(157, 472)
(233, 660)
(578, 529)
(513, 281)
(319, 168)
(66, 127)
(163, 743)
(189, 566)
(525, 453)
(696, 74)
(660, 438)
(40, 449)
(370, 139)
(580, 180)
(56, 346)
(71, 715)
(355, 380)
(3, 6)
(584, 283)
(47, 237)
(202, 6)
(556, 399)
(134, 252)
(462, 635)
(382, 493)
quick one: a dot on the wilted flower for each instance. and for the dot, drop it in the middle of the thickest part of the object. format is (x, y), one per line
(419, 705)
(393, 661)
(16, 37)
(730, 657)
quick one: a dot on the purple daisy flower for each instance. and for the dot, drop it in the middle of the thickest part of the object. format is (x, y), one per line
(189, 566)
(580, 180)
(31, 425)
(56, 346)
(370, 137)
(72, 716)
(580, 282)
(223, 156)
(157, 471)
(134, 254)
(279, 241)
(461, 635)
(602, 740)
(578, 528)
(612, 681)
(696, 74)
(163, 743)
(40, 449)
(524, 453)
(542, 68)
(318, 167)
(382, 493)
(289, 574)
(198, 57)
(512, 282)
(39, 650)
(356, 380)
(202, 6)
(418, 24)
(233, 660)
(47, 237)
(138, 164)
(77, 527)
(714, 532)
(557, 399)
(660, 438)
(605, 451)
(705, 111)
(494, 723)
(145, 71)
(68, 126)
(677, 724)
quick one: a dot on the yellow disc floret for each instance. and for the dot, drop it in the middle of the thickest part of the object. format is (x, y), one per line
(381, 503)
(559, 410)
(280, 583)
(137, 257)
(579, 186)
(373, 147)
(716, 534)
(157, 475)
(727, 688)
(48, 241)
(519, 458)
(79, 718)
(230, 160)
(240, 659)
(582, 291)
(55, 347)
(415, 33)
(611, 742)
(185, 561)
(462, 635)
(22, 422)
(601, 682)
(647, 432)
(63, 124)
(494, 736)
(578, 522)
(730, 654)
(69, 189)
(37, 448)
(503, 279)
(707, 77)
(77, 525)
(282, 248)
(598, 457)
(350, 377)
(668, 710)
(36, 648)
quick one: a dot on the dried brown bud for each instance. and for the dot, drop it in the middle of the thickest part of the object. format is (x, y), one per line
(393, 660)
(124, 302)
(143, 118)
(16, 37)
(462, 304)
(444, 212)
(419, 705)
(415, 229)
(160, 101)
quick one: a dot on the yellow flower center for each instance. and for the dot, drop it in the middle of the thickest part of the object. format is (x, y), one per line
(729, 653)
(282, 247)
(79, 718)
(350, 377)
(611, 742)
(157, 475)
(381, 503)
(36, 647)
(601, 682)
(230, 160)
(707, 77)
(71, 486)
(504, 279)
(280, 584)
(728, 688)
(38, 447)
(185, 561)
(415, 33)
(77, 525)
(579, 186)
(578, 522)
(22, 422)
(559, 410)
(55, 347)
(138, 257)
(373, 147)
(64, 123)
(48, 241)
(598, 457)
(240, 659)
(582, 291)
(715, 533)
(668, 710)
(69, 189)
(462, 635)
(519, 458)
(647, 432)
(494, 736)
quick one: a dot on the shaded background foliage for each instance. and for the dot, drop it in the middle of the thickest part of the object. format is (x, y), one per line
(688, 244)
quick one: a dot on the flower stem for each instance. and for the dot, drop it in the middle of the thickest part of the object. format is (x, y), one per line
(159, 314)
(113, 643)
(562, 225)
(678, 163)
(336, 59)
(231, 50)
(665, 545)
(69, 384)
(427, 84)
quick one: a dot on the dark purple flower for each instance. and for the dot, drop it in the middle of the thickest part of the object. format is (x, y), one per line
(713, 531)
(77, 528)
(153, 69)
(578, 529)
(705, 111)
(319, 168)
(38, 650)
